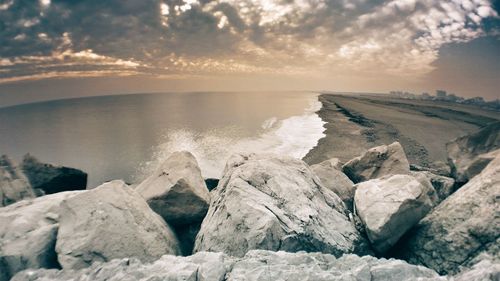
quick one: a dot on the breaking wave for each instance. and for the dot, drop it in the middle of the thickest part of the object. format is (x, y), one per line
(294, 136)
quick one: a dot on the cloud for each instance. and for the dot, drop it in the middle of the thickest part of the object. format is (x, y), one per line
(196, 37)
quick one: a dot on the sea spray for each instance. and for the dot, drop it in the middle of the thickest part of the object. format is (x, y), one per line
(294, 136)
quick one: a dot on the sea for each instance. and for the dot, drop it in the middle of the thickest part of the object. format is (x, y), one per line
(128, 136)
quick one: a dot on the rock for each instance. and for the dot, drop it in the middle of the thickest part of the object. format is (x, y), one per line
(275, 203)
(255, 265)
(108, 222)
(177, 191)
(13, 184)
(28, 234)
(485, 269)
(390, 206)
(463, 226)
(199, 267)
(211, 183)
(265, 265)
(438, 168)
(330, 174)
(52, 179)
(444, 186)
(462, 152)
(378, 162)
(479, 163)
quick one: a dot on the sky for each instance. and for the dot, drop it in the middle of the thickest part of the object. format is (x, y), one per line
(60, 48)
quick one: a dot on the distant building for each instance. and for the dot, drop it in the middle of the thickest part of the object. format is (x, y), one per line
(441, 94)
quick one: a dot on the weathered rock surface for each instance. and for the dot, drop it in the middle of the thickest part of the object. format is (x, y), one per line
(255, 265)
(177, 191)
(463, 226)
(485, 269)
(463, 151)
(28, 234)
(444, 186)
(108, 222)
(390, 206)
(330, 174)
(275, 203)
(378, 162)
(14, 185)
(50, 178)
(438, 168)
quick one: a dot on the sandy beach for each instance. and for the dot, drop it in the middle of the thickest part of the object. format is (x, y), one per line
(355, 123)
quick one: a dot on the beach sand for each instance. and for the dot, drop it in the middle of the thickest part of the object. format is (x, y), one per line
(355, 123)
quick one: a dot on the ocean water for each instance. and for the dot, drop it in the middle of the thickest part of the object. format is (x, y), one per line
(128, 136)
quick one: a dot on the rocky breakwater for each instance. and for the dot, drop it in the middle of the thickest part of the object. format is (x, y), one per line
(270, 218)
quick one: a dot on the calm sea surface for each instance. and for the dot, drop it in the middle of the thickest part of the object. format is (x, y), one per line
(126, 137)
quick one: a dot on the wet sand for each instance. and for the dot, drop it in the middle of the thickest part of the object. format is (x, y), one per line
(355, 123)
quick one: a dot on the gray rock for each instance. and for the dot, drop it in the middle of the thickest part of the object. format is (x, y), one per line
(14, 185)
(390, 206)
(50, 178)
(484, 270)
(438, 168)
(463, 151)
(199, 267)
(28, 234)
(275, 203)
(177, 191)
(463, 226)
(444, 186)
(108, 222)
(330, 174)
(378, 162)
(255, 265)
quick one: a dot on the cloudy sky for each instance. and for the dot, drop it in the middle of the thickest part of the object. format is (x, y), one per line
(63, 48)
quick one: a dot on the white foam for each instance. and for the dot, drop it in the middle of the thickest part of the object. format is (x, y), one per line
(294, 136)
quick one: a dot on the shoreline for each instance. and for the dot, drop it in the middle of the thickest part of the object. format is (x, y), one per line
(355, 123)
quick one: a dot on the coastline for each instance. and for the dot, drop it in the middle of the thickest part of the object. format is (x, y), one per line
(354, 123)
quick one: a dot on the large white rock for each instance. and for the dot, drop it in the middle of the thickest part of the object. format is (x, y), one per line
(378, 162)
(463, 226)
(14, 185)
(275, 203)
(177, 190)
(108, 222)
(28, 234)
(390, 206)
(463, 152)
(255, 266)
(330, 174)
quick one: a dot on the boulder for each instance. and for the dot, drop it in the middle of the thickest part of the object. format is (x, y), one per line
(390, 206)
(177, 191)
(378, 162)
(463, 226)
(255, 265)
(485, 269)
(463, 151)
(28, 234)
(108, 222)
(13, 183)
(50, 178)
(199, 267)
(282, 266)
(275, 203)
(330, 174)
(438, 168)
(444, 186)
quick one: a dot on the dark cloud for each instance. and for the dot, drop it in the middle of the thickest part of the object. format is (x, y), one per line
(233, 36)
